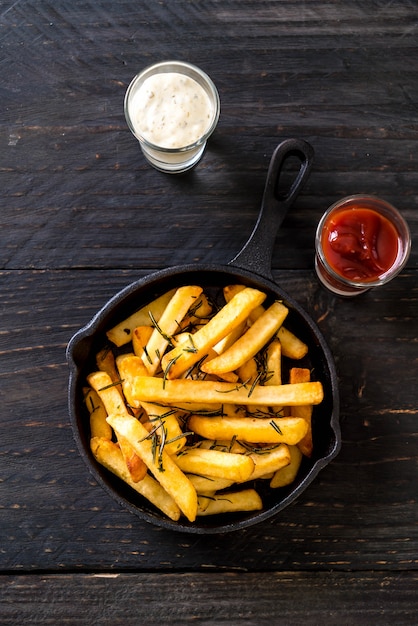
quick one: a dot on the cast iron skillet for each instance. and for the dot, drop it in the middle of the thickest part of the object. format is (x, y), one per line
(252, 267)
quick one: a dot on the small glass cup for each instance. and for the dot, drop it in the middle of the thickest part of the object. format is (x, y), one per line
(332, 276)
(182, 156)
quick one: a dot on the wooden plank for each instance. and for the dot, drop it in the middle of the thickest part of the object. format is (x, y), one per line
(283, 598)
(74, 182)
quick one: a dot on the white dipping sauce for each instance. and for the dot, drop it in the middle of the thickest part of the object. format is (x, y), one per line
(171, 110)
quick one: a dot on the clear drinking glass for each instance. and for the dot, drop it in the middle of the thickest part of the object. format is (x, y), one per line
(361, 242)
(172, 108)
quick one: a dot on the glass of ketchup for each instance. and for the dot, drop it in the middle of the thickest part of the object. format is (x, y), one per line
(361, 242)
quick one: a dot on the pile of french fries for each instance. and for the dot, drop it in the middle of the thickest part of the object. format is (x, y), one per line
(187, 404)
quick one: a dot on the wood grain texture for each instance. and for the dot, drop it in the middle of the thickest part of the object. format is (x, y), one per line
(342, 77)
(82, 215)
(257, 599)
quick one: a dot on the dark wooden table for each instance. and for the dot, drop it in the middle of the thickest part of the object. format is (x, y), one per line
(83, 215)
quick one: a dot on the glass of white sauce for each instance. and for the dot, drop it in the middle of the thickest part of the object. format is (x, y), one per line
(172, 108)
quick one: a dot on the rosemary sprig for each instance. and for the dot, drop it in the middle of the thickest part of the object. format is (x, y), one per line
(276, 427)
(167, 369)
(113, 384)
(147, 355)
(237, 387)
(157, 443)
(158, 328)
(192, 347)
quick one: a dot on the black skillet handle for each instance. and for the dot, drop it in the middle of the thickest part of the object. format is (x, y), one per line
(257, 253)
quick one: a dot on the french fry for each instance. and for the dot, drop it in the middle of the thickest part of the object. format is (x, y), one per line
(269, 461)
(108, 454)
(288, 430)
(292, 347)
(161, 465)
(140, 338)
(108, 392)
(180, 391)
(229, 292)
(231, 338)
(110, 396)
(168, 325)
(248, 371)
(208, 485)
(301, 375)
(215, 464)
(286, 475)
(274, 364)
(129, 366)
(135, 465)
(98, 425)
(183, 356)
(121, 334)
(223, 445)
(245, 500)
(250, 343)
(105, 362)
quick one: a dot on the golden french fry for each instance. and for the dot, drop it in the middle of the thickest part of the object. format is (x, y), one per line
(223, 445)
(129, 366)
(135, 465)
(300, 375)
(215, 464)
(229, 292)
(274, 364)
(98, 425)
(288, 430)
(286, 475)
(207, 484)
(292, 347)
(180, 391)
(161, 465)
(140, 338)
(245, 500)
(248, 371)
(108, 454)
(231, 338)
(183, 356)
(266, 462)
(250, 343)
(121, 334)
(108, 392)
(168, 325)
(105, 362)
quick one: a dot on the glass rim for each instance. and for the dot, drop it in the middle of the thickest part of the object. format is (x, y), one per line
(397, 220)
(193, 71)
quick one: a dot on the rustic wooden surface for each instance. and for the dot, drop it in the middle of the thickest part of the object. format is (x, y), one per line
(83, 215)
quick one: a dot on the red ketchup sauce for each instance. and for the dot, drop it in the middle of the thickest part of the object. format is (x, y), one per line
(359, 243)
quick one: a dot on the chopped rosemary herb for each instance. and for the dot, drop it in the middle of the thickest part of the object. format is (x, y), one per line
(114, 384)
(147, 355)
(167, 369)
(276, 427)
(158, 328)
(192, 348)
